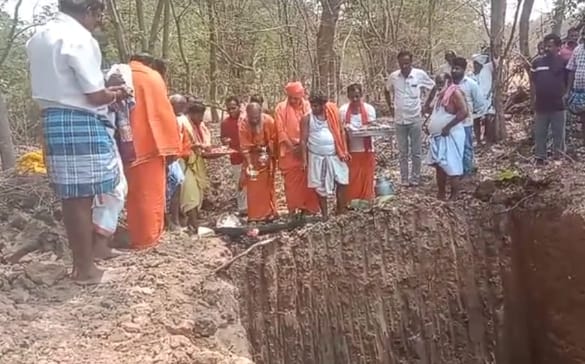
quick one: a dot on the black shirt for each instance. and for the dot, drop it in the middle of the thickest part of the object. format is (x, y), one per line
(549, 77)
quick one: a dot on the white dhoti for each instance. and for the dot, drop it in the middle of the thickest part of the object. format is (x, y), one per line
(446, 152)
(107, 207)
(325, 171)
(241, 196)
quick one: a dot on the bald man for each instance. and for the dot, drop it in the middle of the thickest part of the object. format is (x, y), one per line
(179, 103)
(258, 142)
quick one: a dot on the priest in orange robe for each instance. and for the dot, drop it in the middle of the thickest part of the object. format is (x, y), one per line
(157, 142)
(288, 114)
(258, 143)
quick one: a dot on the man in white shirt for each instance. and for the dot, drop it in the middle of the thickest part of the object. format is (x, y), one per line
(483, 75)
(403, 94)
(446, 67)
(68, 84)
(476, 105)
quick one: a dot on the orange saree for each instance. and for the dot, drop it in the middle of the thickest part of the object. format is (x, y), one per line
(298, 194)
(156, 136)
(260, 190)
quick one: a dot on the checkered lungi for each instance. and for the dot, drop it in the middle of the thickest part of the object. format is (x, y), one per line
(80, 154)
(576, 102)
(175, 178)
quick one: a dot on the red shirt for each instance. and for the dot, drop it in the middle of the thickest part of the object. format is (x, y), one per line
(229, 129)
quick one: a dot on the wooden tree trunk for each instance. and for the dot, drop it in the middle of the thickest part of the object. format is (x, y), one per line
(326, 80)
(166, 29)
(559, 11)
(121, 42)
(212, 59)
(497, 27)
(154, 28)
(524, 28)
(141, 25)
(7, 152)
(188, 76)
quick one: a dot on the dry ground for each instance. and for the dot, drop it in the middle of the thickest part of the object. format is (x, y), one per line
(427, 278)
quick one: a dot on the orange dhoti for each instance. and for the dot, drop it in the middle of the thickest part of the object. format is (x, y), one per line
(260, 190)
(261, 196)
(146, 202)
(156, 137)
(362, 167)
(296, 189)
(287, 119)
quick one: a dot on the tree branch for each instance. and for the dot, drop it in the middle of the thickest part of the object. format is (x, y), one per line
(12, 34)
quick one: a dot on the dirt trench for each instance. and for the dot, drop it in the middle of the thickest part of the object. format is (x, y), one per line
(421, 282)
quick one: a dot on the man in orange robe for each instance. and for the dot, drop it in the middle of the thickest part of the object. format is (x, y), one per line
(362, 165)
(157, 142)
(288, 115)
(258, 142)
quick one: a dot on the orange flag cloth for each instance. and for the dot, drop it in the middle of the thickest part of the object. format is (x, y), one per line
(362, 165)
(260, 190)
(156, 136)
(296, 189)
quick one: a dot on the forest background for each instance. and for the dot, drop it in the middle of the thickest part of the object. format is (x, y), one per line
(217, 48)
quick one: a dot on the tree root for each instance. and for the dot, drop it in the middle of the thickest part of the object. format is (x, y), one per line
(243, 254)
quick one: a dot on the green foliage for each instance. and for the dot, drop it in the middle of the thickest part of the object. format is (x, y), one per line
(260, 45)
(508, 175)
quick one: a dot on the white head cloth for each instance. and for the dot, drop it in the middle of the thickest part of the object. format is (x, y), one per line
(125, 71)
(480, 58)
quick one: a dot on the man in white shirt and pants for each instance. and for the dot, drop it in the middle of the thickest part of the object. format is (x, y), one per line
(403, 94)
(80, 153)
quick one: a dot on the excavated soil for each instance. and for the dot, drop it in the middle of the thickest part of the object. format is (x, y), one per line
(163, 306)
(494, 278)
(401, 284)
(548, 297)
(422, 281)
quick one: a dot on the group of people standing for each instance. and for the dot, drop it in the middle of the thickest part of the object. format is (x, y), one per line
(306, 140)
(117, 140)
(458, 106)
(558, 91)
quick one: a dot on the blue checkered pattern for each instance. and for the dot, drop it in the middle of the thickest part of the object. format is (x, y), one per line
(80, 153)
(175, 177)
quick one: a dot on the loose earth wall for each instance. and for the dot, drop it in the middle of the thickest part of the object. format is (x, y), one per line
(421, 282)
(402, 284)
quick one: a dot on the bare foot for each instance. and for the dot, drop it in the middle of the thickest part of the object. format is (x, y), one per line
(174, 227)
(91, 276)
(102, 251)
(121, 240)
(108, 253)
